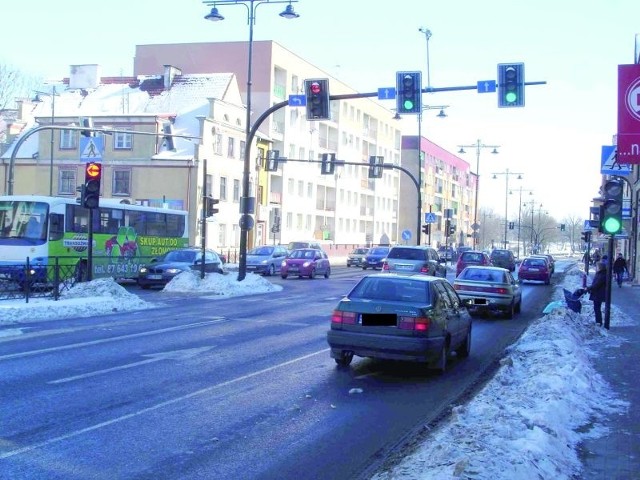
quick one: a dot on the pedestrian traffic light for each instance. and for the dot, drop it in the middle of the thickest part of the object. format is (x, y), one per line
(586, 236)
(328, 163)
(271, 165)
(87, 123)
(611, 210)
(426, 228)
(511, 85)
(408, 92)
(317, 93)
(210, 206)
(90, 194)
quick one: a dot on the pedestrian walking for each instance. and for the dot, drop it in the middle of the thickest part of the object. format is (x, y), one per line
(619, 269)
(597, 290)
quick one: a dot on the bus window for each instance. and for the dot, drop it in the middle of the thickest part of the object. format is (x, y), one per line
(56, 226)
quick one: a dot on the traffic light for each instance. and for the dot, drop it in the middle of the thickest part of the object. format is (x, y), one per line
(426, 228)
(562, 227)
(210, 206)
(90, 196)
(511, 85)
(586, 236)
(271, 165)
(512, 225)
(452, 229)
(408, 92)
(328, 163)
(375, 166)
(87, 123)
(317, 93)
(611, 210)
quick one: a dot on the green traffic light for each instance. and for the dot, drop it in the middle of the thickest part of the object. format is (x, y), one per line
(408, 105)
(611, 225)
(511, 97)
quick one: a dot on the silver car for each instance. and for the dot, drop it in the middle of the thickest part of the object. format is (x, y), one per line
(266, 259)
(489, 289)
(409, 260)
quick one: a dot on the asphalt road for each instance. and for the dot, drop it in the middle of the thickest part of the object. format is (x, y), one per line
(211, 388)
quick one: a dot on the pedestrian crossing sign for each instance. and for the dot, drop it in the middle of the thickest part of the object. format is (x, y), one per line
(91, 149)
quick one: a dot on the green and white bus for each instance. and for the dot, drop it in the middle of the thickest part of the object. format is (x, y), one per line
(47, 231)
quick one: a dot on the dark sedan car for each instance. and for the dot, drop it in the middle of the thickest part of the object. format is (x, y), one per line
(535, 269)
(306, 262)
(375, 257)
(419, 318)
(162, 270)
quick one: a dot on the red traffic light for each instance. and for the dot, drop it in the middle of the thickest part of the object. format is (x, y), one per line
(93, 171)
(315, 88)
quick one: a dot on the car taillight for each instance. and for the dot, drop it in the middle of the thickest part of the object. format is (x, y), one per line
(418, 324)
(339, 316)
(501, 291)
(424, 269)
(385, 266)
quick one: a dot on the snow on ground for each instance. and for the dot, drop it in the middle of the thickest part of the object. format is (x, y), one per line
(527, 422)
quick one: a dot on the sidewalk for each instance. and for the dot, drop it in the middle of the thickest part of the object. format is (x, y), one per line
(616, 455)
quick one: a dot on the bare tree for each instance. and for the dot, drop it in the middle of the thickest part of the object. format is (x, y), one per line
(15, 84)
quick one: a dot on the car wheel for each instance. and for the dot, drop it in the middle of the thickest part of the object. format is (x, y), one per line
(510, 312)
(272, 270)
(327, 273)
(348, 265)
(519, 306)
(345, 359)
(464, 349)
(283, 275)
(441, 365)
(364, 268)
(312, 275)
(547, 281)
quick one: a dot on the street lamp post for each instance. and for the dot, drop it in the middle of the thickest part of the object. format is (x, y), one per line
(53, 95)
(246, 221)
(478, 146)
(520, 217)
(506, 174)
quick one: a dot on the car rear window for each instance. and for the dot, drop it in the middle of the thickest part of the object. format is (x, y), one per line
(471, 257)
(378, 251)
(401, 290)
(535, 262)
(482, 275)
(407, 254)
(499, 253)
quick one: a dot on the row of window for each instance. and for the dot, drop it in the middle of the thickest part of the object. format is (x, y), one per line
(121, 141)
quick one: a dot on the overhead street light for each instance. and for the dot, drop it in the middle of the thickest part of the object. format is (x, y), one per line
(506, 174)
(246, 203)
(478, 146)
(53, 94)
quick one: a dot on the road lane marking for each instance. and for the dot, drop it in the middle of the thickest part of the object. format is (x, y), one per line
(152, 408)
(155, 357)
(111, 339)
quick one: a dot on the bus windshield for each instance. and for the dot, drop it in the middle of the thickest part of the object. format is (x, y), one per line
(23, 219)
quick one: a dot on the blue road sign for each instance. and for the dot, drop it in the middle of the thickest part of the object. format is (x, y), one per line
(297, 100)
(430, 217)
(609, 163)
(387, 93)
(486, 86)
(406, 234)
(91, 149)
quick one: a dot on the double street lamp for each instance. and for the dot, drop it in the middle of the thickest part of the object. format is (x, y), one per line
(478, 146)
(53, 95)
(247, 204)
(520, 216)
(506, 174)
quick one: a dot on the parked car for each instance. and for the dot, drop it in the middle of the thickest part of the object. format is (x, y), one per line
(303, 244)
(266, 259)
(503, 258)
(550, 260)
(535, 269)
(471, 257)
(459, 250)
(409, 260)
(374, 258)
(306, 262)
(356, 256)
(417, 317)
(489, 289)
(162, 270)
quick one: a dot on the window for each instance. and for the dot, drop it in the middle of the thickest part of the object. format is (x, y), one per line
(209, 185)
(223, 188)
(231, 148)
(121, 182)
(122, 141)
(217, 143)
(222, 234)
(236, 190)
(67, 139)
(300, 188)
(242, 148)
(67, 182)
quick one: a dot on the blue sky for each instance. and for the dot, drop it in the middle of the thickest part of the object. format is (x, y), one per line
(554, 141)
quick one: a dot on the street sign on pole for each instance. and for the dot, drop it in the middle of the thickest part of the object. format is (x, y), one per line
(91, 149)
(430, 217)
(629, 114)
(486, 86)
(609, 162)
(387, 93)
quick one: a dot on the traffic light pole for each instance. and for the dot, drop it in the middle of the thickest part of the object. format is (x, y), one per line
(607, 303)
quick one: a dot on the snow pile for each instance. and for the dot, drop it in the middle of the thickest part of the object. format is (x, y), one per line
(224, 285)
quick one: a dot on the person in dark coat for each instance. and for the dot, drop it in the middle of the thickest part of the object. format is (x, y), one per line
(619, 267)
(597, 290)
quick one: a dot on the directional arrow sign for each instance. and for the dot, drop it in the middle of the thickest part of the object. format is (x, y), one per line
(486, 86)
(297, 100)
(154, 357)
(386, 93)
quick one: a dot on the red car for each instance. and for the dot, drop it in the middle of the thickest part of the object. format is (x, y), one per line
(471, 257)
(535, 269)
(306, 262)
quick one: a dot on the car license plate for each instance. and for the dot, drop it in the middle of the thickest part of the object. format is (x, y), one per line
(404, 267)
(293, 269)
(154, 277)
(534, 269)
(479, 301)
